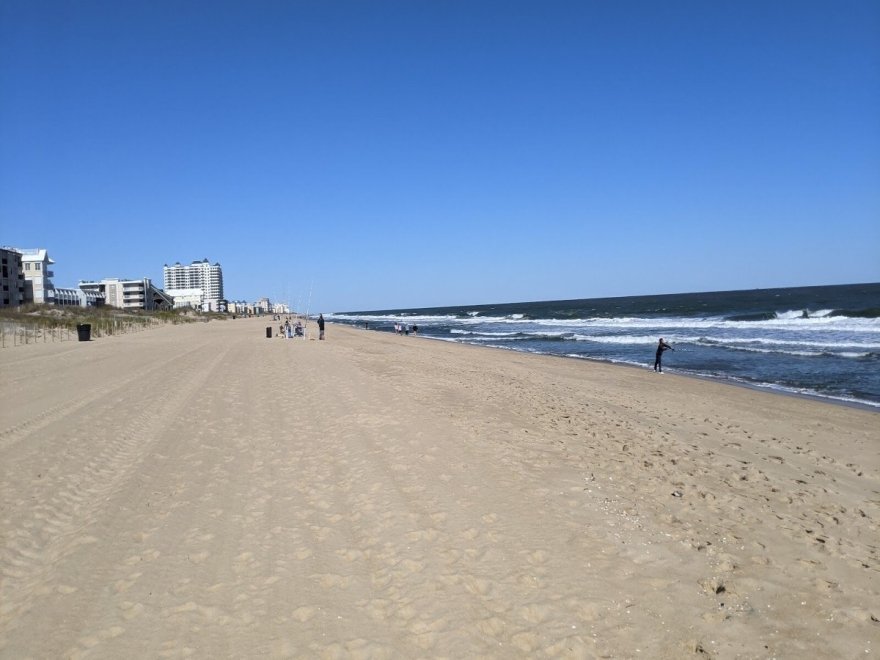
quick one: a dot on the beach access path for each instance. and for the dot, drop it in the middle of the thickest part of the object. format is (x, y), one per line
(203, 491)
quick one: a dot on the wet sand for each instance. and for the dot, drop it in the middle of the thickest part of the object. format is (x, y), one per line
(202, 491)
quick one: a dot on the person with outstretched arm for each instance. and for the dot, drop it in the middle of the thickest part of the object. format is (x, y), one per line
(662, 346)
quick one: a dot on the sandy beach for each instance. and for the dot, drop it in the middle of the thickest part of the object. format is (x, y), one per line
(202, 491)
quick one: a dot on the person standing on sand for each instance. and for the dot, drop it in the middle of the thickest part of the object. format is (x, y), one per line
(320, 326)
(662, 346)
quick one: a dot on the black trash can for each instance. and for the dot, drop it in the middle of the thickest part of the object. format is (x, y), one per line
(269, 332)
(84, 331)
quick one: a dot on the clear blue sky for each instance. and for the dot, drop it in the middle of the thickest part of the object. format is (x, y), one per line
(418, 153)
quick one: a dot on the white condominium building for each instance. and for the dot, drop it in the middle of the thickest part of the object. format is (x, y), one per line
(198, 275)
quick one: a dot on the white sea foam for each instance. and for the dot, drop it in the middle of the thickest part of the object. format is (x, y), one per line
(483, 333)
(783, 341)
(805, 314)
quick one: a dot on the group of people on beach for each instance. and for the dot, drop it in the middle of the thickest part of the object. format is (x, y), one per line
(288, 331)
(405, 328)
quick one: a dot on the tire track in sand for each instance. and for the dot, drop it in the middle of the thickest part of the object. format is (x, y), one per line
(25, 429)
(59, 508)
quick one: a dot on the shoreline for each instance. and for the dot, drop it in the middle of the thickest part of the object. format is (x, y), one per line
(768, 388)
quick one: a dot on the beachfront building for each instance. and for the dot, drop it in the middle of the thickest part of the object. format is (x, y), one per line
(38, 287)
(130, 294)
(12, 282)
(239, 307)
(249, 308)
(182, 281)
(77, 297)
(191, 298)
(262, 306)
(214, 305)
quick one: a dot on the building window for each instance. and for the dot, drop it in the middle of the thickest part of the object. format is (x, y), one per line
(37, 266)
(27, 265)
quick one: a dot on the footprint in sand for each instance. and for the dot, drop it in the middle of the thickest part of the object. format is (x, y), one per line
(493, 626)
(350, 554)
(378, 608)
(131, 610)
(303, 614)
(429, 534)
(538, 557)
(477, 586)
(122, 586)
(535, 613)
(527, 642)
(332, 580)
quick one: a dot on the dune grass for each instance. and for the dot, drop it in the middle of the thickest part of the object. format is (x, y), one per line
(44, 323)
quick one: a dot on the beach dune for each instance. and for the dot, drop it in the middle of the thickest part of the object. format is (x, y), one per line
(203, 491)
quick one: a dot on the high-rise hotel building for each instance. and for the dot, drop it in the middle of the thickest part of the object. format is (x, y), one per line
(201, 275)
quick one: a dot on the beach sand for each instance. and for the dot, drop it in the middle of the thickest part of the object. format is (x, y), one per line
(202, 491)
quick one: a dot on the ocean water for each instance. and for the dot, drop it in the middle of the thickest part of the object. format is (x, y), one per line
(820, 341)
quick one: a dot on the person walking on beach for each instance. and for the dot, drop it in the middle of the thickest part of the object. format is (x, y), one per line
(662, 346)
(320, 326)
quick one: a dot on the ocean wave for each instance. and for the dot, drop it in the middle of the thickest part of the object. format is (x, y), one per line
(782, 316)
(804, 314)
(824, 324)
(726, 342)
(767, 346)
(779, 341)
(829, 322)
(870, 313)
(466, 335)
(849, 355)
(620, 340)
(752, 316)
(486, 333)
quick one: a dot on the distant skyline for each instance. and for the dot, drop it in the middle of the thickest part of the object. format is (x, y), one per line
(383, 155)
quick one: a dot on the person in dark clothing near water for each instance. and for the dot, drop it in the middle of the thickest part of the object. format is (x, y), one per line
(320, 326)
(662, 346)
